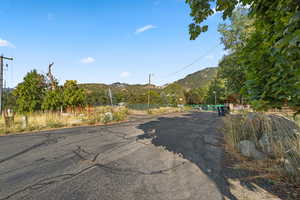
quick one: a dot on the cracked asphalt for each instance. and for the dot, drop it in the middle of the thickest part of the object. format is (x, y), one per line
(174, 156)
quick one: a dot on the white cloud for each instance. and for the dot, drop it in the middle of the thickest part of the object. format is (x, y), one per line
(5, 43)
(144, 28)
(124, 74)
(88, 60)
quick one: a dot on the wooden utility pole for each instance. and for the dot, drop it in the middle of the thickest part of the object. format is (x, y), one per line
(1, 78)
(110, 96)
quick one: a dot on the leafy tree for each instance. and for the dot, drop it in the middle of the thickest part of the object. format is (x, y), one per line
(175, 94)
(216, 92)
(270, 55)
(155, 98)
(73, 96)
(99, 97)
(30, 93)
(195, 96)
(53, 99)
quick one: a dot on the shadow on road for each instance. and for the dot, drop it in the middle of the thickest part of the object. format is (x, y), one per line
(196, 137)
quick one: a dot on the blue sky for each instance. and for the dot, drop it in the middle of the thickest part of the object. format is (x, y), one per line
(109, 41)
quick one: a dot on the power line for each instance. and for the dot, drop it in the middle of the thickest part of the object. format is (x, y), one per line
(195, 61)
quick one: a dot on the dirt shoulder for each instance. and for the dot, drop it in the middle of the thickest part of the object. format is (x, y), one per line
(252, 180)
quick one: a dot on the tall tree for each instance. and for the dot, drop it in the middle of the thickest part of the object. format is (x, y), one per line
(195, 96)
(30, 93)
(53, 99)
(271, 55)
(73, 96)
(234, 37)
(216, 92)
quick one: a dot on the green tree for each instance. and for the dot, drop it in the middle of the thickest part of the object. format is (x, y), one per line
(30, 93)
(216, 92)
(196, 96)
(234, 38)
(175, 94)
(53, 99)
(99, 97)
(270, 55)
(73, 96)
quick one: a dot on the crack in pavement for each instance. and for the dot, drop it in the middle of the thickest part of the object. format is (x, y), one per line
(63, 177)
(49, 140)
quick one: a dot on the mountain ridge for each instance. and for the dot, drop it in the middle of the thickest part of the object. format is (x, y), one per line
(198, 79)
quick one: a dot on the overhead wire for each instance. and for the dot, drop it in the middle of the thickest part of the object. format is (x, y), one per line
(192, 63)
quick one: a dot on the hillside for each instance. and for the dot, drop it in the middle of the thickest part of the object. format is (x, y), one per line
(198, 79)
(94, 87)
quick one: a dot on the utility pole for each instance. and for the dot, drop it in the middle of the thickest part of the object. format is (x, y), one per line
(1, 78)
(149, 90)
(110, 96)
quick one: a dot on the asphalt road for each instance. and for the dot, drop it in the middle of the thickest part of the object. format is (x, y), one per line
(175, 156)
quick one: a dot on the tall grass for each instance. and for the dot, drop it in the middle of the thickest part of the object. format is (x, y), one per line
(164, 110)
(160, 110)
(48, 120)
(282, 133)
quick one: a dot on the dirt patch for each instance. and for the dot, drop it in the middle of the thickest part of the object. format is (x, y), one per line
(254, 180)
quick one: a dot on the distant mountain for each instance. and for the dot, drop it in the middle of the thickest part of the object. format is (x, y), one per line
(94, 87)
(198, 79)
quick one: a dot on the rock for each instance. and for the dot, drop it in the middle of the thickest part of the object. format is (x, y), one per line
(247, 148)
(288, 166)
(265, 144)
(292, 162)
(283, 139)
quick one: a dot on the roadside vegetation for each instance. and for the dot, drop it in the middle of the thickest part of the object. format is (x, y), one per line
(261, 69)
(40, 103)
(50, 120)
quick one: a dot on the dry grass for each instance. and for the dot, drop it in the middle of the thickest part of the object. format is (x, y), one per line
(165, 110)
(284, 138)
(49, 120)
(157, 111)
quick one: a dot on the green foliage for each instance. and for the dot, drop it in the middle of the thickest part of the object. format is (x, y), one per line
(199, 79)
(99, 97)
(174, 94)
(30, 93)
(9, 100)
(73, 96)
(268, 52)
(233, 72)
(53, 99)
(234, 37)
(196, 96)
(216, 92)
